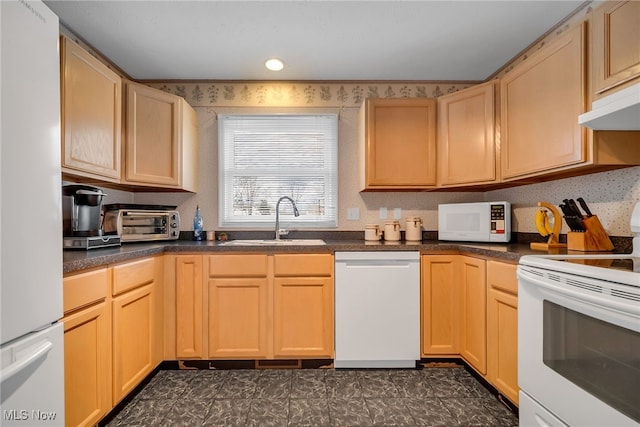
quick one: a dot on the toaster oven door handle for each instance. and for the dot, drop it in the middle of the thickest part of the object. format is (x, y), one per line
(146, 213)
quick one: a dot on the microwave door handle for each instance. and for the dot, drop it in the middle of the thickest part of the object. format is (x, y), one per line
(587, 297)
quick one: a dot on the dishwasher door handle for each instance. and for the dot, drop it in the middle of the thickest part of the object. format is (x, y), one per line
(377, 263)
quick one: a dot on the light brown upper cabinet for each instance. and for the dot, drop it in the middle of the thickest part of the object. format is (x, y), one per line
(616, 46)
(397, 144)
(541, 100)
(161, 140)
(91, 115)
(467, 148)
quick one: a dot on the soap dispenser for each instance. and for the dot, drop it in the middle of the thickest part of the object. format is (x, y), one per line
(198, 233)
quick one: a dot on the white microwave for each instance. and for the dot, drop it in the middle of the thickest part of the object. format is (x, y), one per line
(475, 222)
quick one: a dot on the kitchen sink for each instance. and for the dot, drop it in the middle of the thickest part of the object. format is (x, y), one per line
(273, 242)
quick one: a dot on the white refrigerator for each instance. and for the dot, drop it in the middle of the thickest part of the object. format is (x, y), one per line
(31, 338)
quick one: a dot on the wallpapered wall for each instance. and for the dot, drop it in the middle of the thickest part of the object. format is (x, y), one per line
(611, 195)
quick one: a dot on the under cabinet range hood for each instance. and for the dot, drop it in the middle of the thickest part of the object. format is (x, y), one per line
(618, 111)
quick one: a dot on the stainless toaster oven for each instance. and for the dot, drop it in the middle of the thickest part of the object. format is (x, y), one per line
(138, 223)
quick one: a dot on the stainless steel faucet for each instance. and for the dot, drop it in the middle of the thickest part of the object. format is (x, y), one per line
(295, 212)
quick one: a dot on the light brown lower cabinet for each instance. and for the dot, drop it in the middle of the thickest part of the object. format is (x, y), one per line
(469, 309)
(502, 328)
(303, 306)
(135, 323)
(113, 318)
(254, 306)
(133, 339)
(238, 308)
(87, 348)
(238, 318)
(188, 302)
(473, 312)
(440, 315)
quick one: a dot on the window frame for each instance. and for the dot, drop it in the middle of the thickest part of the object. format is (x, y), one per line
(327, 220)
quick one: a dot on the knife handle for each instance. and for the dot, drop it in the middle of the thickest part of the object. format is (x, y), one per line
(584, 206)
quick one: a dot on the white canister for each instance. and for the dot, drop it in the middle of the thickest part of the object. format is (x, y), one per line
(372, 232)
(392, 231)
(413, 230)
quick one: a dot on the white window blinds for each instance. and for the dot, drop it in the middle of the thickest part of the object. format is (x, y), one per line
(265, 157)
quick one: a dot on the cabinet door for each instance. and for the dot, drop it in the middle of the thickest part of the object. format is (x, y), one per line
(473, 312)
(440, 305)
(466, 143)
(502, 341)
(133, 339)
(616, 41)
(87, 365)
(238, 318)
(541, 100)
(153, 152)
(189, 303)
(398, 144)
(502, 329)
(303, 317)
(91, 115)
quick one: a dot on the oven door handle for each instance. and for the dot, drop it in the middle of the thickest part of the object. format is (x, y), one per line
(631, 308)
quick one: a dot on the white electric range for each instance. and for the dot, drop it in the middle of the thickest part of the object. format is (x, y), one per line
(579, 338)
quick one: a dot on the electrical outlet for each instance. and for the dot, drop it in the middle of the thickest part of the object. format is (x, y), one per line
(353, 214)
(383, 213)
(397, 213)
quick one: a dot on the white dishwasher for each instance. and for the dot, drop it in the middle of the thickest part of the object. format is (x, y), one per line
(377, 309)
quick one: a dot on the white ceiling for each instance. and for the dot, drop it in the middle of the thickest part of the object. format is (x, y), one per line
(318, 40)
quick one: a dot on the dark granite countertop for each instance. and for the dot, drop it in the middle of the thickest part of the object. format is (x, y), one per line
(80, 260)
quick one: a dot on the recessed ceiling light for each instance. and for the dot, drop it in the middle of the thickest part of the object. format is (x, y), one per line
(274, 64)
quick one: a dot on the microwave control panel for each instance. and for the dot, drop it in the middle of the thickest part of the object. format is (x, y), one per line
(498, 219)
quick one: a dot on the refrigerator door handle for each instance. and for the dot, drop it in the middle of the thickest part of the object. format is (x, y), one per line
(25, 358)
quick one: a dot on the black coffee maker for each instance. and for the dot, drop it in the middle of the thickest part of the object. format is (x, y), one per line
(82, 218)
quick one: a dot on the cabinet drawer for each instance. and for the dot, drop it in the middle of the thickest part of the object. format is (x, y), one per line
(82, 289)
(303, 264)
(244, 265)
(502, 276)
(133, 274)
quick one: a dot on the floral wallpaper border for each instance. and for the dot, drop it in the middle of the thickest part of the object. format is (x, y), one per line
(239, 94)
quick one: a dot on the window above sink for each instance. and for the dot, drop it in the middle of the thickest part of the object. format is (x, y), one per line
(263, 157)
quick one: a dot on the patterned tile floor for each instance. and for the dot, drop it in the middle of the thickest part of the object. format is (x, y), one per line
(314, 397)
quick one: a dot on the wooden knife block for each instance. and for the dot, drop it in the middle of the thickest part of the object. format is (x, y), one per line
(594, 239)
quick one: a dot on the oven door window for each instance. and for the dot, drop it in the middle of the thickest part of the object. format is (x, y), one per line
(144, 225)
(601, 358)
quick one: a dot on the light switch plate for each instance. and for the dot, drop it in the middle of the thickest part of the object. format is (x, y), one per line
(397, 213)
(383, 213)
(353, 214)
